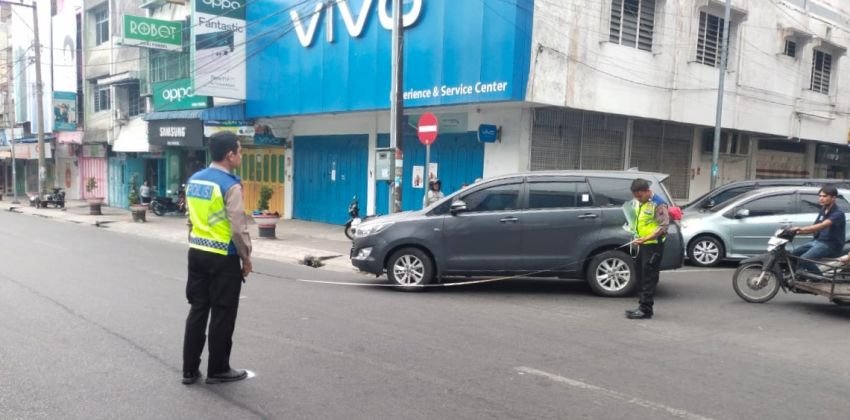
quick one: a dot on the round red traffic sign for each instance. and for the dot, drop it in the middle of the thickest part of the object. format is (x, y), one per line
(427, 130)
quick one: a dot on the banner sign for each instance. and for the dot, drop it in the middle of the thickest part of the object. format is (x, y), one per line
(64, 111)
(183, 133)
(175, 95)
(240, 128)
(220, 40)
(153, 33)
(30, 151)
(326, 57)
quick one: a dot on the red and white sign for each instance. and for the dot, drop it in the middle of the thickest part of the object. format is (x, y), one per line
(427, 131)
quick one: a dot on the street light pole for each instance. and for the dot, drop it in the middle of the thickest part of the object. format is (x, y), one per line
(11, 116)
(724, 52)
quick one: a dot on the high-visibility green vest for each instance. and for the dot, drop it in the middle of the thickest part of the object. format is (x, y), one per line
(645, 223)
(211, 229)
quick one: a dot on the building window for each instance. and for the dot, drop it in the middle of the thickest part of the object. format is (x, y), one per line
(101, 27)
(710, 39)
(102, 99)
(632, 23)
(134, 100)
(167, 65)
(790, 48)
(821, 72)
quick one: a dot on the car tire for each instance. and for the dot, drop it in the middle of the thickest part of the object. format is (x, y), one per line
(706, 251)
(612, 274)
(410, 269)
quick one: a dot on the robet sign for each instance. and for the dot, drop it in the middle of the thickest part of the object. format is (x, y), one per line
(175, 95)
(153, 33)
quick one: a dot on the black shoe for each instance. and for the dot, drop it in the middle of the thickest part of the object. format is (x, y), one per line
(638, 314)
(231, 375)
(190, 378)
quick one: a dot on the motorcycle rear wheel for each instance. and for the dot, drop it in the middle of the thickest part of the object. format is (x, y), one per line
(748, 286)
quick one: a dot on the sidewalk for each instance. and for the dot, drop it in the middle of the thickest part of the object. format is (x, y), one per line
(296, 240)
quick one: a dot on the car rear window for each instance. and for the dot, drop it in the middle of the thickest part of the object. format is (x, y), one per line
(555, 195)
(614, 192)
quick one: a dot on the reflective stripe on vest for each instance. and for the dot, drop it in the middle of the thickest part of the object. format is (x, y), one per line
(210, 226)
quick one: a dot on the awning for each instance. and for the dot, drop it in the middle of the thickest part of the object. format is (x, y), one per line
(219, 113)
(63, 137)
(133, 137)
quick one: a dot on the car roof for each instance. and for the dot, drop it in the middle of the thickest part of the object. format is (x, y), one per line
(773, 190)
(581, 172)
(784, 181)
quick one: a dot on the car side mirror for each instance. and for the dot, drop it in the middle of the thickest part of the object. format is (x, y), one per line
(458, 207)
(742, 213)
(711, 203)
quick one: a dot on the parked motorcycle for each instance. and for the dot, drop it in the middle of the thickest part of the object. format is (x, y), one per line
(354, 218)
(161, 206)
(758, 279)
(55, 198)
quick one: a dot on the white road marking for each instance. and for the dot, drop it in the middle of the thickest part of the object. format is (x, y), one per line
(613, 394)
(251, 373)
(700, 270)
(343, 283)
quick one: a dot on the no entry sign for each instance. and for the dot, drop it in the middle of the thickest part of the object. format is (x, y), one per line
(427, 131)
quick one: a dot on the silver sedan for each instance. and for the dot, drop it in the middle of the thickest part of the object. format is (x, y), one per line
(741, 227)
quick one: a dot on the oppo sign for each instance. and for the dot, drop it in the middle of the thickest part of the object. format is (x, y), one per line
(177, 94)
(353, 25)
(223, 4)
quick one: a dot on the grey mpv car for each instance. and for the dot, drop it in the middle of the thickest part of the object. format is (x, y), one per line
(555, 224)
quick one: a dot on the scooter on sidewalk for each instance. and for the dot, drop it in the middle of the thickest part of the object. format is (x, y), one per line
(161, 206)
(56, 199)
(354, 218)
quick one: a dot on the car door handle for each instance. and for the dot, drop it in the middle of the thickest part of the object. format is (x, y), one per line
(588, 216)
(509, 220)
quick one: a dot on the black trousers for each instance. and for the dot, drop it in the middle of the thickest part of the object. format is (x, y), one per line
(649, 264)
(214, 284)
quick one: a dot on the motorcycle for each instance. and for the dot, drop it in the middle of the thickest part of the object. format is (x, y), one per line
(759, 279)
(160, 206)
(56, 199)
(354, 218)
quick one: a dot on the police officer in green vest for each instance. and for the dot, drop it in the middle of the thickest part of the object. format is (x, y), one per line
(650, 229)
(219, 260)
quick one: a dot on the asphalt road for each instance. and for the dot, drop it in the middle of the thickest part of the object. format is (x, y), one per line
(91, 325)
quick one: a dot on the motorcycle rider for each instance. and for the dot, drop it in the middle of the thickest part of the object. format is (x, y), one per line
(829, 232)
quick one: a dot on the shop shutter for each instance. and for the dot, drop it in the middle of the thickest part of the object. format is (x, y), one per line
(556, 139)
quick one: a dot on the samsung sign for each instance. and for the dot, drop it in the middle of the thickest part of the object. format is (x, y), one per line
(337, 58)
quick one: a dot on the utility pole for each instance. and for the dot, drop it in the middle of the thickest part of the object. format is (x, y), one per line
(39, 89)
(10, 100)
(397, 107)
(724, 53)
(39, 100)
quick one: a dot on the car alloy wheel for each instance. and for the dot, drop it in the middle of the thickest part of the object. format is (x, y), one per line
(706, 252)
(409, 270)
(613, 274)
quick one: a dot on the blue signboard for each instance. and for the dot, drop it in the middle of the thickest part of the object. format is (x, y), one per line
(308, 57)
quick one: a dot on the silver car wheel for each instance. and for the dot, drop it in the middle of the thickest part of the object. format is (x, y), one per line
(613, 274)
(409, 270)
(706, 252)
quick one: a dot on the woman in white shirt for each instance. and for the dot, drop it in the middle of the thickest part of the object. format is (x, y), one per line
(434, 193)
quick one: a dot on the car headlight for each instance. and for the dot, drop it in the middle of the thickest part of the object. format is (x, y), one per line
(368, 229)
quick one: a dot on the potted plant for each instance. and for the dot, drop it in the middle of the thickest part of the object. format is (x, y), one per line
(266, 221)
(136, 209)
(94, 202)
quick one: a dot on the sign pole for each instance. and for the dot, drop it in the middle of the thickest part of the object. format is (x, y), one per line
(724, 51)
(427, 170)
(11, 117)
(39, 100)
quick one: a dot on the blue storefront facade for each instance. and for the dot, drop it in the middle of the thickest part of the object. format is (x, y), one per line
(319, 75)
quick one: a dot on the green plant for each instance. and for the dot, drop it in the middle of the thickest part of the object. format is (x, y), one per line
(133, 195)
(266, 193)
(91, 185)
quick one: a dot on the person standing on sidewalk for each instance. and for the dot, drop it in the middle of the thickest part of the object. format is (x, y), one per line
(219, 260)
(650, 228)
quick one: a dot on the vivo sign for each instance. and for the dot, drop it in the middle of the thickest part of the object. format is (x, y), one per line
(353, 24)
